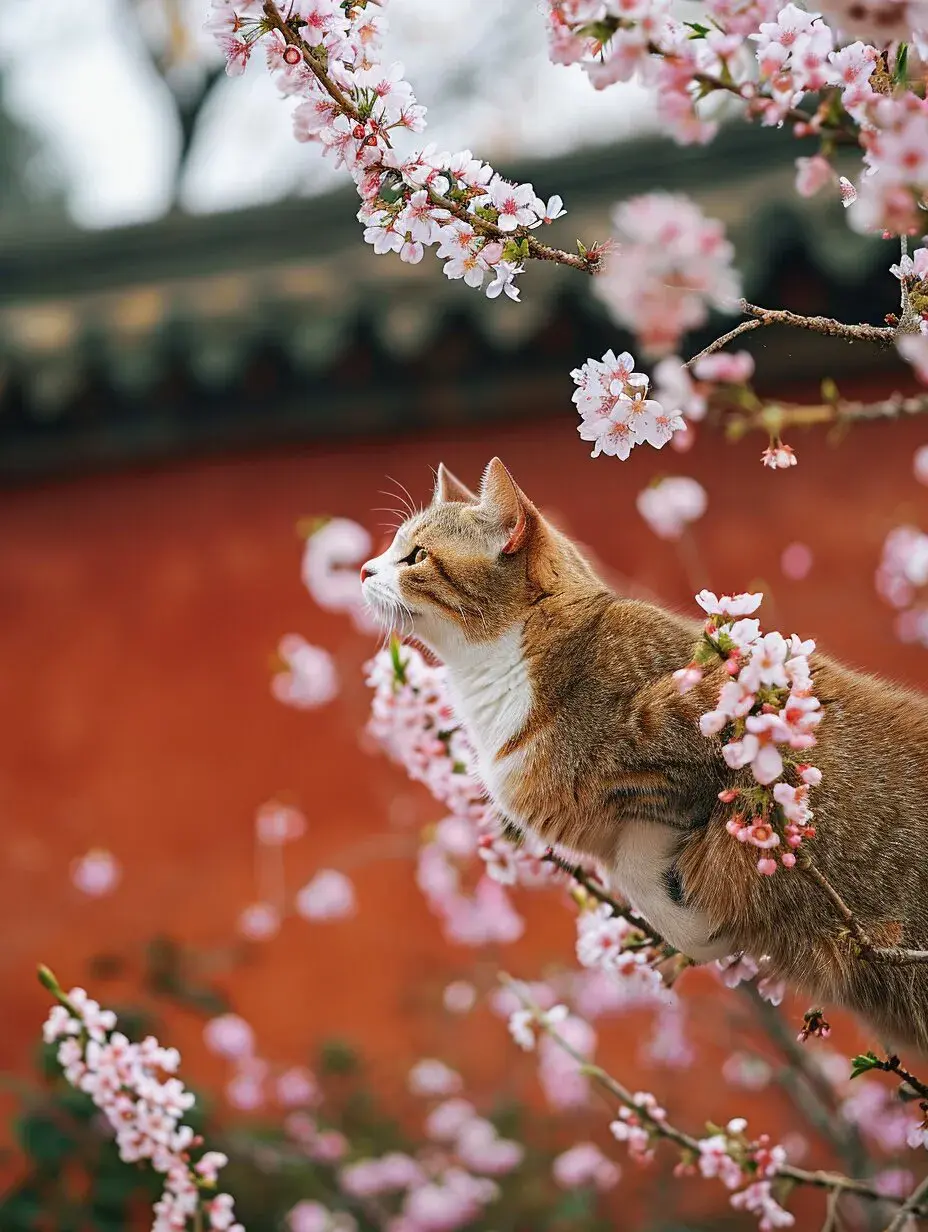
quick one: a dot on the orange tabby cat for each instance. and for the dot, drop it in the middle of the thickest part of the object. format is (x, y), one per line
(583, 738)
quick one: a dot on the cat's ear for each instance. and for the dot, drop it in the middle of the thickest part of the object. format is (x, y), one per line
(449, 489)
(508, 506)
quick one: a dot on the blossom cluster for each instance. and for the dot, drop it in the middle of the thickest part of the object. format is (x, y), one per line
(135, 1087)
(327, 55)
(412, 718)
(615, 411)
(670, 505)
(670, 265)
(444, 1185)
(768, 713)
(771, 56)
(901, 579)
(745, 1167)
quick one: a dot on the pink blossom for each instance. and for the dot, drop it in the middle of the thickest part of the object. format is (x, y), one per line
(778, 457)
(796, 561)
(259, 921)
(277, 824)
(229, 1036)
(615, 412)
(812, 174)
(480, 1148)
(310, 680)
(432, 1077)
(245, 1089)
(314, 1217)
(687, 678)
(328, 1147)
(585, 1164)
(671, 265)
(733, 367)
(97, 873)
(329, 895)
(134, 1087)
(728, 605)
(459, 997)
(920, 464)
(297, 1088)
(522, 1023)
(670, 505)
(446, 1121)
(330, 564)
(560, 1074)
(633, 1125)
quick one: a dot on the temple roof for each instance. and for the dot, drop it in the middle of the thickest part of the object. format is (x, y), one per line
(279, 322)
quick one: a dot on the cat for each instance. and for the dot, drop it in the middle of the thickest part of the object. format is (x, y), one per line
(583, 738)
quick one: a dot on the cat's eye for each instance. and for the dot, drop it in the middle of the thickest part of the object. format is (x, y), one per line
(415, 557)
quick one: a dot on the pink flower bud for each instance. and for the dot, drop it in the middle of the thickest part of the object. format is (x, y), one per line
(766, 867)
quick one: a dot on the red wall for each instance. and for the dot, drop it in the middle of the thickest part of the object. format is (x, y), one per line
(138, 615)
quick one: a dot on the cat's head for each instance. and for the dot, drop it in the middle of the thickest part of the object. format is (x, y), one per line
(468, 566)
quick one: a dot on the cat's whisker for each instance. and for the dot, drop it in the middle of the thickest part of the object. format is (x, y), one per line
(407, 494)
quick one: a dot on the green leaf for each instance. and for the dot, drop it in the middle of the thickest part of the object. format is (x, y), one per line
(900, 73)
(864, 1062)
(399, 663)
(829, 390)
(44, 1140)
(21, 1211)
(699, 30)
(338, 1057)
(575, 1205)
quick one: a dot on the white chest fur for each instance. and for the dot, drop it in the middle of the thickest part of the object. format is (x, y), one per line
(643, 854)
(492, 693)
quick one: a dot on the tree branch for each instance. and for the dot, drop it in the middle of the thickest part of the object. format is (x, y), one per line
(819, 1179)
(895, 955)
(813, 1095)
(588, 262)
(882, 335)
(911, 1205)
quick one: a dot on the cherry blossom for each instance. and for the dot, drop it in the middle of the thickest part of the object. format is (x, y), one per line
(329, 895)
(671, 265)
(277, 824)
(796, 561)
(96, 873)
(310, 679)
(670, 505)
(766, 705)
(432, 1077)
(259, 921)
(615, 411)
(136, 1089)
(331, 558)
(459, 997)
(229, 1036)
(585, 1164)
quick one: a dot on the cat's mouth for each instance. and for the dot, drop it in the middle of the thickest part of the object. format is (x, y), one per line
(389, 611)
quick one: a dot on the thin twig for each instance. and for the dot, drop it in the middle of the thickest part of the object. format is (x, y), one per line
(819, 1179)
(589, 262)
(814, 1095)
(882, 335)
(831, 1210)
(717, 345)
(892, 1065)
(911, 1205)
(595, 889)
(894, 955)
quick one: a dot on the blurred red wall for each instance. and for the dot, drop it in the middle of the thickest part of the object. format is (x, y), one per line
(139, 612)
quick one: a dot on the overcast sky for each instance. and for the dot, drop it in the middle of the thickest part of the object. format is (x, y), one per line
(88, 90)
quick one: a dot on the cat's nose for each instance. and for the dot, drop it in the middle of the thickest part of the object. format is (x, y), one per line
(367, 571)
